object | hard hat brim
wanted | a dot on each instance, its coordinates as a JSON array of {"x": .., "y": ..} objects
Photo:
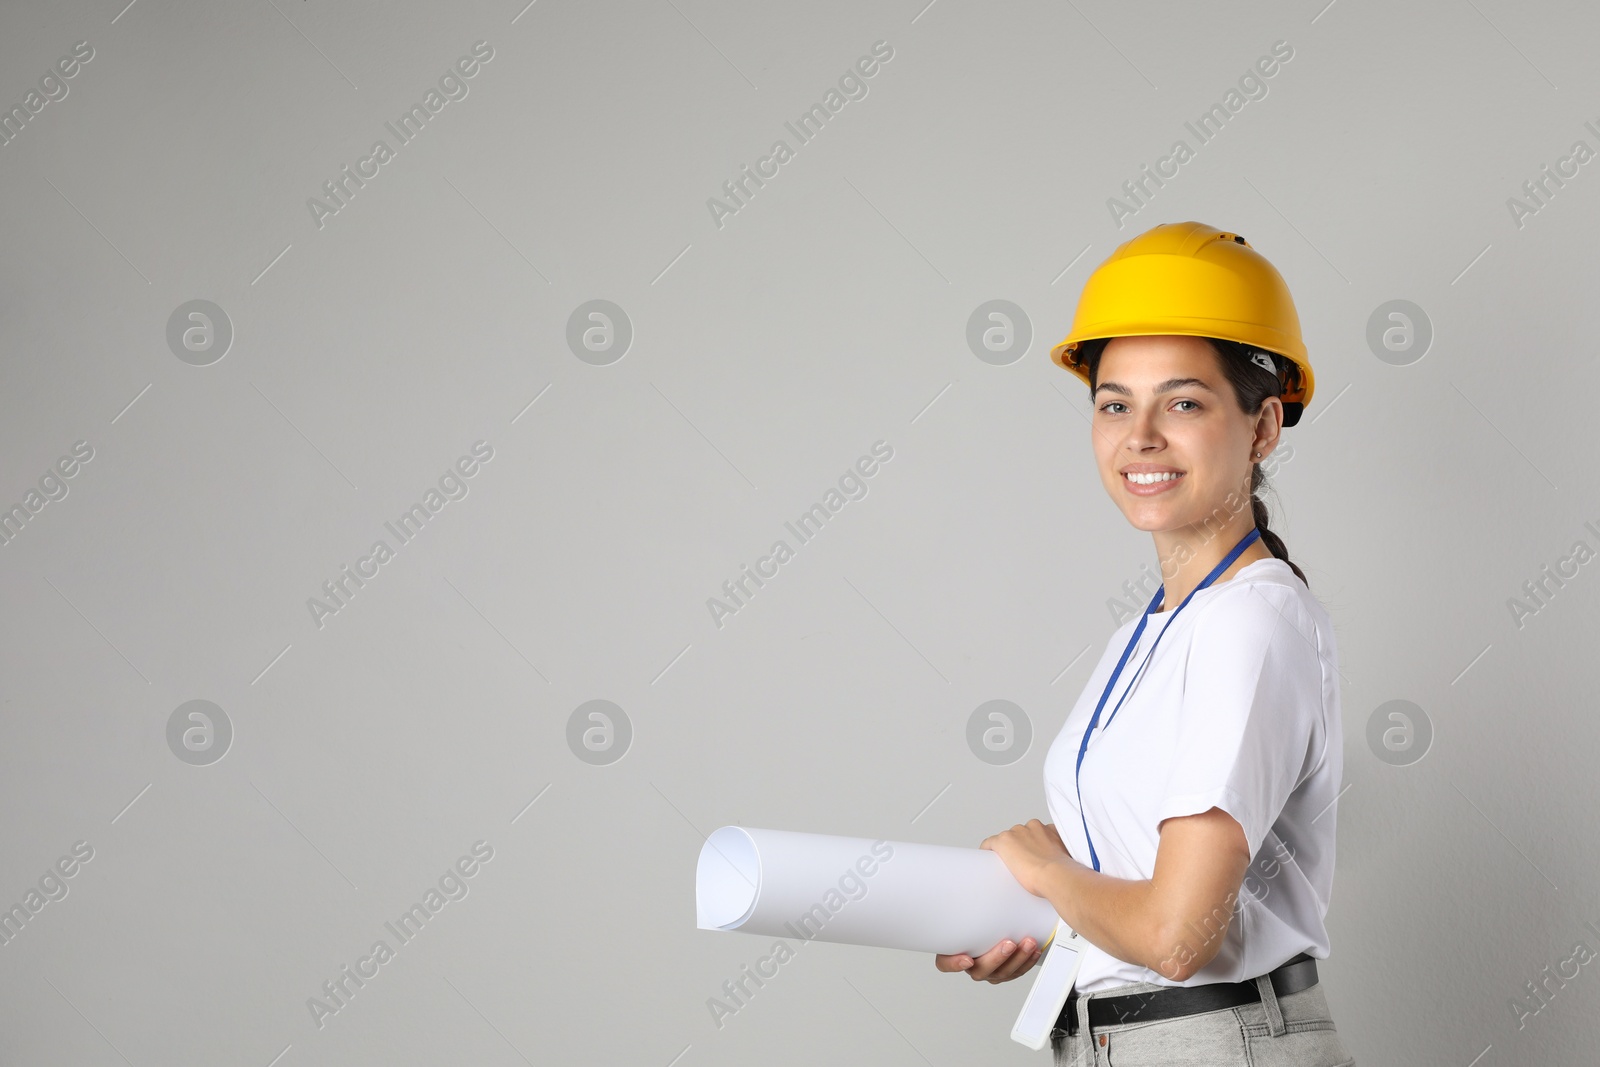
[{"x": 1222, "y": 329}]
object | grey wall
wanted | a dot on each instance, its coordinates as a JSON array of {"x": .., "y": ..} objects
[{"x": 365, "y": 751}]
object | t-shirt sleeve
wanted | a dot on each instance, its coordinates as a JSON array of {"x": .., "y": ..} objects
[{"x": 1251, "y": 710}]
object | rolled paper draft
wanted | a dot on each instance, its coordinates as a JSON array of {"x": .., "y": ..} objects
[{"x": 858, "y": 891}]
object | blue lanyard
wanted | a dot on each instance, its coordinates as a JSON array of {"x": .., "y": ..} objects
[{"x": 1094, "y": 720}]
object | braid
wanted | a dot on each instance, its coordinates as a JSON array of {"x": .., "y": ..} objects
[{"x": 1258, "y": 509}]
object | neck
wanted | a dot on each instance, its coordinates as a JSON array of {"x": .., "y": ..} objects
[{"x": 1186, "y": 556}]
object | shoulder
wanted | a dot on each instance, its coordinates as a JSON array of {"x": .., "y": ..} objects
[{"x": 1266, "y": 605}]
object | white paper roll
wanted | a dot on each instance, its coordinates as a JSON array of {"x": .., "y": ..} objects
[{"x": 857, "y": 891}]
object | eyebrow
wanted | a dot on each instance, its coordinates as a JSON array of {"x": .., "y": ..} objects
[{"x": 1160, "y": 387}]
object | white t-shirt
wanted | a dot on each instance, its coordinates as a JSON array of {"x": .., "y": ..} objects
[{"x": 1238, "y": 709}]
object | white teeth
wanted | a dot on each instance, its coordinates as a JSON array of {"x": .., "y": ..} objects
[{"x": 1151, "y": 479}]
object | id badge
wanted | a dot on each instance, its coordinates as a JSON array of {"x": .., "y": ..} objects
[{"x": 1058, "y": 971}]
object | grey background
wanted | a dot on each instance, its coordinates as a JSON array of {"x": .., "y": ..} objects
[{"x": 768, "y": 355}]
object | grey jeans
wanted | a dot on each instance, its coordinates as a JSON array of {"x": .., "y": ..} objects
[{"x": 1291, "y": 1031}]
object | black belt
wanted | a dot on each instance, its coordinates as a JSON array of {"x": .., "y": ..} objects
[{"x": 1291, "y": 977}]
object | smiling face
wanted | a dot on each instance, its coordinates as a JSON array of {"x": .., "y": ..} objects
[{"x": 1165, "y": 411}]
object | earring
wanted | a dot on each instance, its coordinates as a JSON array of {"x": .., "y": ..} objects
[{"x": 1258, "y": 455}]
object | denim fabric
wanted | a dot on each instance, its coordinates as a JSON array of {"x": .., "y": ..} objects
[{"x": 1231, "y": 1037}]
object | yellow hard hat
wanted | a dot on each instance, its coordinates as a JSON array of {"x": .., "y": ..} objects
[{"x": 1193, "y": 279}]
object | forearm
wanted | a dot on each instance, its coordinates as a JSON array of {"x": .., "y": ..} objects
[
  {"x": 1173, "y": 922},
  {"x": 1172, "y": 930},
  {"x": 1119, "y": 915}
]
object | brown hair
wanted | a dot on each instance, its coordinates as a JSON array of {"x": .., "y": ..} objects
[{"x": 1252, "y": 384}]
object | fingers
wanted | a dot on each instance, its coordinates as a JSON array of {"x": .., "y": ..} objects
[
  {"x": 1004, "y": 962},
  {"x": 1017, "y": 962},
  {"x": 952, "y": 961}
]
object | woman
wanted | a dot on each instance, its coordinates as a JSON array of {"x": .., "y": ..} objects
[{"x": 1192, "y": 786}]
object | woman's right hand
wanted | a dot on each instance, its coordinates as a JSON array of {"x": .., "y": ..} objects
[{"x": 1005, "y": 961}]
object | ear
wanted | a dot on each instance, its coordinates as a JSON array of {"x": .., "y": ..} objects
[{"x": 1269, "y": 425}]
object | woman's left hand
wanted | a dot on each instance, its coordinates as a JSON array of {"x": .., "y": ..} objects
[{"x": 1029, "y": 850}]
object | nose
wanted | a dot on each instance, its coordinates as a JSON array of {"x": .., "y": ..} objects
[{"x": 1143, "y": 432}]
